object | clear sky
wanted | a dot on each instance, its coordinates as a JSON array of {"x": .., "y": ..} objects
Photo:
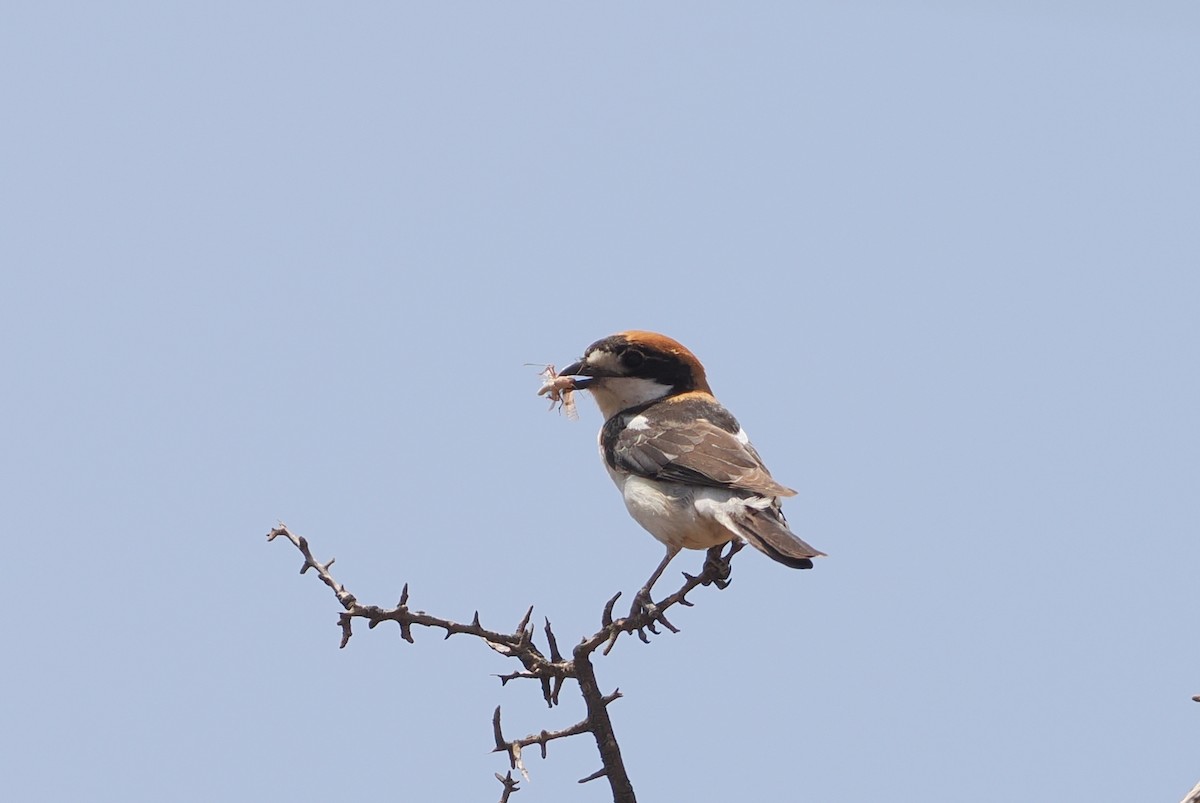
[{"x": 286, "y": 261}]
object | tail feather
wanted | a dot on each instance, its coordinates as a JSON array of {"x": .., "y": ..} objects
[{"x": 768, "y": 533}]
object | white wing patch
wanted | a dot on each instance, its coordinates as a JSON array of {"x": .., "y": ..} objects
[{"x": 638, "y": 423}]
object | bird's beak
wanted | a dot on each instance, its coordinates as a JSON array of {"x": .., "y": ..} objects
[{"x": 576, "y": 371}]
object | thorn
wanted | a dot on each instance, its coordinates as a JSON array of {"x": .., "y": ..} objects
[
  {"x": 607, "y": 619},
  {"x": 520, "y": 631},
  {"x": 600, "y": 773},
  {"x": 403, "y": 596},
  {"x": 510, "y": 785},
  {"x": 555, "y": 655},
  {"x": 500, "y": 745},
  {"x": 475, "y": 621}
]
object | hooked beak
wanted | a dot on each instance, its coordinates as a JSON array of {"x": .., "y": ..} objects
[{"x": 579, "y": 379}]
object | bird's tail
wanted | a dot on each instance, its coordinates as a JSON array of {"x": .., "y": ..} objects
[{"x": 767, "y": 531}]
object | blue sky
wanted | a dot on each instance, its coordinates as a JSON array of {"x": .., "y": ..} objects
[{"x": 288, "y": 262}]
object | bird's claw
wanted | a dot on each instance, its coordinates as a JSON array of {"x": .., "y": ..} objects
[
  {"x": 645, "y": 609},
  {"x": 719, "y": 567},
  {"x": 643, "y": 605}
]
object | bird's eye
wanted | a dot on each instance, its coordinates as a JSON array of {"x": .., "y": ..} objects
[{"x": 632, "y": 358}]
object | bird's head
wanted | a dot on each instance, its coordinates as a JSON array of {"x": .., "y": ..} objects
[{"x": 632, "y": 368}]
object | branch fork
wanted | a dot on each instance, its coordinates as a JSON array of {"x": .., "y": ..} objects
[{"x": 550, "y": 668}]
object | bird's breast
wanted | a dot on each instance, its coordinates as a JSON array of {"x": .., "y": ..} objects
[{"x": 672, "y": 512}]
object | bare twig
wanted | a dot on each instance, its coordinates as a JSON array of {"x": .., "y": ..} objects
[
  {"x": 602, "y": 729},
  {"x": 640, "y": 622},
  {"x": 301, "y": 543},
  {"x": 518, "y": 644},
  {"x": 510, "y": 785},
  {"x": 551, "y": 672},
  {"x": 513, "y": 747}
]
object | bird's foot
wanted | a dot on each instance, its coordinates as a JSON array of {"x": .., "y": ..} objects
[
  {"x": 643, "y": 604},
  {"x": 645, "y": 610},
  {"x": 718, "y": 567}
]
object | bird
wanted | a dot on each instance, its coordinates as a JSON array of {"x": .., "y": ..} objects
[{"x": 684, "y": 466}]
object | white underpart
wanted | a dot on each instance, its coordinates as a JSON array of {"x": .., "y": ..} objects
[
  {"x": 684, "y": 516},
  {"x": 742, "y": 437},
  {"x": 616, "y": 393}
]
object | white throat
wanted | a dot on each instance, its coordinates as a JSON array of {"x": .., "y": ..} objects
[{"x": 616, "y": 393}]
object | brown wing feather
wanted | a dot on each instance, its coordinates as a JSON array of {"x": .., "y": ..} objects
[{"x": 697, "y": 452}]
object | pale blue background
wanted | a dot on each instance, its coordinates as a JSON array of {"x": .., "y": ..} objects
[{"x": 286, "y": 261}]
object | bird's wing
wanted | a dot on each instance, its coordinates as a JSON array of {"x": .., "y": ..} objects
[{"x": 696, "y": 452}]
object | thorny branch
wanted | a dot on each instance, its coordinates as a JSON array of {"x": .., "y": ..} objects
[
  {"x": 510, "y": 785},
  {"x": 550, "y": 670}
]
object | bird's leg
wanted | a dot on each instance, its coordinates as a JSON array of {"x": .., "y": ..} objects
[
  {"x": 719, "y": 565},
  {"x": 642, "y": 602}
]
